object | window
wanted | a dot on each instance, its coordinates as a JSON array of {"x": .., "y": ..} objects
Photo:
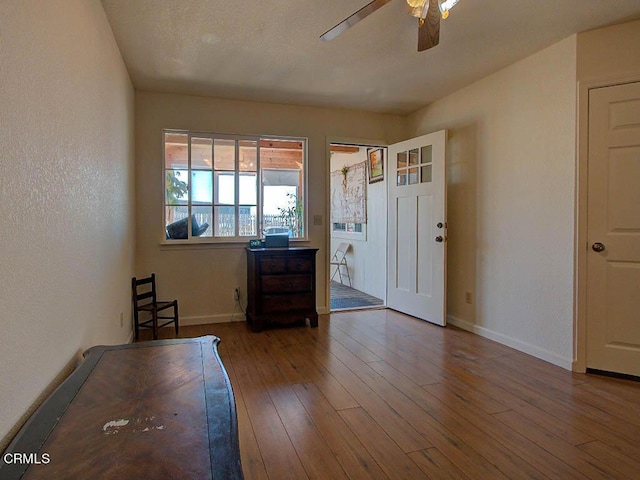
[
  {"x": 414, "y": 166},
  {"x": 347, "y": 227},
  {"x": 230, "y": 187}
]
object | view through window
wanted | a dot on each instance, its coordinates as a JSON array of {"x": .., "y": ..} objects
[{"x": 226, "y": 187}]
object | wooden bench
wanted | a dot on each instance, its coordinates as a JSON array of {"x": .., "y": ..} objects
[{"x": 161, "y": 409}]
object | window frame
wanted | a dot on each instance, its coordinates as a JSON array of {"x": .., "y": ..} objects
[{"x": 213, "y": 240}]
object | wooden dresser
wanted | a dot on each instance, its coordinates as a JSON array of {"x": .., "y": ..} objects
[
  {"x": 281, "y": 286},
  {"x": 161, "y": 409}
]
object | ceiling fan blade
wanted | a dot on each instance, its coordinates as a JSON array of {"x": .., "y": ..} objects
[
  {"x": 429, "y": 30},
  {"x": 353, "y": 19}
]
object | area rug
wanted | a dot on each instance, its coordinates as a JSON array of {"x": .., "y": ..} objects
[{"x": 343, "y": 296}]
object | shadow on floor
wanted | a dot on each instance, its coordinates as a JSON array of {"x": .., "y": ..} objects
[{"x": 345, "y": 297}]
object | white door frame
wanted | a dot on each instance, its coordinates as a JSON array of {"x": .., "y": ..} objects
[
  {"x": 581, "y": 238},
  {"x": 365, "y": 142}
]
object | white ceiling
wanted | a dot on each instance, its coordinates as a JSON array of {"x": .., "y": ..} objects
[{"x": 270, "y": 50}]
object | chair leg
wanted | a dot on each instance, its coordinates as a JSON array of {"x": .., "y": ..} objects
[
  {"x": 335, "y": 271},
  {"x": 175, "y": 310},
  {"x": 155, "y": 323},
  {"x": 348, "y": 276}
]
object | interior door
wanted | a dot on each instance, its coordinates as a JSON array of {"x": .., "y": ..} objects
[
  {"x": 417, "y": 220},
  {"x": 613, "y": 259}
]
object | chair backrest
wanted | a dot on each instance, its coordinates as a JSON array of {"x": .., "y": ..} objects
[
  {"x": 341, "y": 251},
  {"x": 143, "y": 289}
]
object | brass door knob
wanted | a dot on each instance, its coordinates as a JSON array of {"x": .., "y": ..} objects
[{"x": 598, "y": 247}]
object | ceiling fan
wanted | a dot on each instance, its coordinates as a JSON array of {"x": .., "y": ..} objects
[{"x": 428, "y": 13}]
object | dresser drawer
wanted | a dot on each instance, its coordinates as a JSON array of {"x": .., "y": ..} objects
[
  {"x": 300, "y": 264},
  {"x": 273, "y": 265},
  {"x": 286, "y": 303},
  {"x": 286, "y": 283}
]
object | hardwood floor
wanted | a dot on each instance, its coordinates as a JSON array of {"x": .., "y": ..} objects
[{"x": 377, "y": 395}]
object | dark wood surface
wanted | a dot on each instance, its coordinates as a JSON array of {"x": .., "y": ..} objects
[
  {"x": 281, "y": 286},
  {"x": 161, "y": 409}
]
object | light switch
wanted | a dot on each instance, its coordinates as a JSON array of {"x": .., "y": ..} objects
[{"x": 317, "y": 219}]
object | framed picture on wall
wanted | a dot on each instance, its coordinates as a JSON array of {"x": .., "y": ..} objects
[{"x": 375, "y": 164}]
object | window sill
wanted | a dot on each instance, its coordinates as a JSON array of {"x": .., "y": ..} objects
[{"x": 217, "y": 244}]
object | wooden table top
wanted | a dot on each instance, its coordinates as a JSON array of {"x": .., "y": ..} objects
[{"x": 161, "y": 409}]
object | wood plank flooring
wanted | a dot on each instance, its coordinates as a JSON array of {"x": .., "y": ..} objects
[{"x": 380, "y": 395}]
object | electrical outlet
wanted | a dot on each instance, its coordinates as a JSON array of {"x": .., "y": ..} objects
[
  {"x": 468, "y": 297},
  {"x": 236, "y": 293},
  {"x": 121, "y": 319}
]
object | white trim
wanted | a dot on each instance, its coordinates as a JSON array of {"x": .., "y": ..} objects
[
  {"x": 208, "y": 319},
  {"x": 328, "y": 226},
  {"x": 237, "y": 138},
  {"x": 516, "y": 344},
  {"x": 224, "y": 318}
]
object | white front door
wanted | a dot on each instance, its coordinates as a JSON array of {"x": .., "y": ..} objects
[
  {"x": 613, "y": 258},
  {"x": 417, "y": 227}
]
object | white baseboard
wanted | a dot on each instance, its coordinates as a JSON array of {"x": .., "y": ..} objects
[
  {"x": 207, "y": 319},
  {"x": 519, "y": 345},
  {"x": 226, "y": 318}
]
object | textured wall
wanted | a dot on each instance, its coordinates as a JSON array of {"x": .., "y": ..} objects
[
  {"x": 66, "y": 193},
  {"x": 203, "y": 277},
  {"x": 511, "y": 168}
]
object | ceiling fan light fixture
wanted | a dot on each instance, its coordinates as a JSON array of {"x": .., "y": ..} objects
[
  {"x": 418, "y": 8},
  {"x": 444, "y": 6}
]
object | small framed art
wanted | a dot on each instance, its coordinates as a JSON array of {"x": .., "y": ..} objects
[{"x": 375, "y": 164}]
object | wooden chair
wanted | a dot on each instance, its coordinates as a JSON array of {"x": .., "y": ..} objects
[
  {"x": 339, "y": 259},
  {"x": 144, "y": 300}
]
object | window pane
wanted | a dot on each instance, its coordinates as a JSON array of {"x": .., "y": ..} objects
[
  {"x": 414, "y": 157},
  {"x": 225, "y": 188},
  {"x": 248, "y": 156},
  {"x": 402, "y": 159},
  {"x": 248, "y": 189},
  {"x": 201, "y": 186},
  {"x": 201, "y": 222},
  {"x": 201, "y": 153},
  {"x": 176, "y": 187},
  {"x": 224, "y": 154},
  {"x": 173, "y": 216},
  {"x": 425, "y": 176},
  {"x": 402, "y": 178},
  {"x": 413, "y": 176},
  {"x": 281, "y": 163},
  {"x": 224, "y": 221},
  {"x": 427, "y": 154},
  {"x": 248, "y": 221},
  {"x": 281, "y": 208},
  {"x": 175, "y": 150}
]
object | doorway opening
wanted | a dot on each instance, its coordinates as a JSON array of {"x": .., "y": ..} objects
[{"x": 358, "y": 227}]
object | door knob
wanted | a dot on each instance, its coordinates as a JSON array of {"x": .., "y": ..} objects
[
  {"x": 439, "y": 239},
  {"x": 598, "y": 247}
]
